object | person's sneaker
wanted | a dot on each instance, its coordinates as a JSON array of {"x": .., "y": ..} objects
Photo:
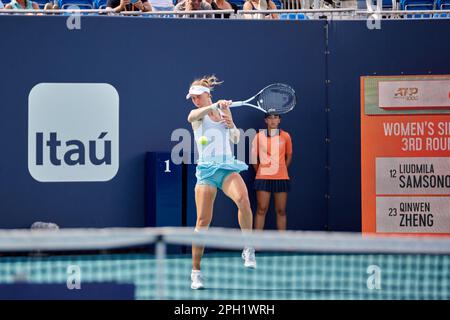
[
  {"x": 248, "y": 254},
  {"x": 196, "y": 280}
]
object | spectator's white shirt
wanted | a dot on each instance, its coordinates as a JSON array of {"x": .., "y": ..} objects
[
  {"x": 162, "y": 5},
  {"x": 1, "y": 5}
]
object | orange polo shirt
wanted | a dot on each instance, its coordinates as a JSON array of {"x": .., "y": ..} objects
[{"x": 271, "y": 153}]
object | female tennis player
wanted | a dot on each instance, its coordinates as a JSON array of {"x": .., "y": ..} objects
[{"x": 217, "y": 168}]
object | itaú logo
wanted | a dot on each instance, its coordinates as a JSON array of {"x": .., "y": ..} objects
[
  {"x": 73, "y": 132},
  {"x": 75, "y": 152}
]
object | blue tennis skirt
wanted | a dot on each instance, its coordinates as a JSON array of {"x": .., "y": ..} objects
[
  {"x": 214, "y": 170},
  {"x": 272, "y": 185}
]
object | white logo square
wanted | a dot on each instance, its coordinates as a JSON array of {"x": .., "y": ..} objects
[{"x": 73, "y": 132}]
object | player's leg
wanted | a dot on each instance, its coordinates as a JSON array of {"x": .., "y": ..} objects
[
  {"x": 204, "y": 200},
  {"x": 263, "y": 201},
  {"x": 280, "y": 208},
  {"x": 234, "y": 187}
]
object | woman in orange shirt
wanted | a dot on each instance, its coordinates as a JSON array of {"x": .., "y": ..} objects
[{"x": 271, "y": 157}]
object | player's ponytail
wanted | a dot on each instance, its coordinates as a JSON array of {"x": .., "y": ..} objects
[{"x": 207, "y": 81}]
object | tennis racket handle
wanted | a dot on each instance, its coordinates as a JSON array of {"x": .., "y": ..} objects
[{"x": 236, "y": 104}]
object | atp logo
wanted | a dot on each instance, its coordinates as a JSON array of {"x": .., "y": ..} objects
[
  {"x": 410, "y": 94},
  {"x": 73, "y": 132}
]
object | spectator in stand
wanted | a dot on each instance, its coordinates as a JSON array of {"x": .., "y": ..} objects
[
  {"x": 22, "y": 4},
  {"x": 29, "y": 5},
  {"x": 222, "y": 5},
  {"x": 194, "y": 5},
  {"x": 260, "y": 5},
  {"x": 129, "y": 5},
  {"x": 54, "y": 6}
]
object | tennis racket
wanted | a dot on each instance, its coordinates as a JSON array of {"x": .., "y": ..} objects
[{"x": 276, "y": 98}]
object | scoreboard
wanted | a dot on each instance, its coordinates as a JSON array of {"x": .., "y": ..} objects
[{"x": 405, "y": 154}]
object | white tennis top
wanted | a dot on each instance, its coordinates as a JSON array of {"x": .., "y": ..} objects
[{"x": 218, "y": 137}]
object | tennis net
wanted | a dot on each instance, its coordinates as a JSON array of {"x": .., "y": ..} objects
[{"x": 290, "y": 265}]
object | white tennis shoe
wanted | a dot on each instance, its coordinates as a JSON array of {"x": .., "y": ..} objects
[
  {"x": 196, "y": 280},
  {"x": 248, "y": 254}
]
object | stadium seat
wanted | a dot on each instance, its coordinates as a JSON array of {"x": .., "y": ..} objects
[
  {"x": 99, "y": 4},
  {"x": 416, "y": 4},
  {"x": 441, "y": 16},
  {"x": 239, "y": 3},
  {"x": 82, "y": 4},
  {"x": 293, "y": 16},
  {"x": 278, "y": 4},
  {"x": 387, "y": 4},
  {"x": 442, "y": 4}
]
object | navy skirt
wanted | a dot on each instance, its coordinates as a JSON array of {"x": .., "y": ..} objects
[{"x": 272, "y": 185}]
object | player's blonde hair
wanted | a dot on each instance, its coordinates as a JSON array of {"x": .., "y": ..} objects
[{"x": 207, "y": 81}]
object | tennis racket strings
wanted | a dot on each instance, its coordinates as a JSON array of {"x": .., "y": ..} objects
[{"x": 277, "y": 98}]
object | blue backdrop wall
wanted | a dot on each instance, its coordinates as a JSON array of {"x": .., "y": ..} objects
[
  {"x": 411, "y": 47},
  {"x": 151, "y": 63}
]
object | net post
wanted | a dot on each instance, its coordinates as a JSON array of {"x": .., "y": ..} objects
[{"x": 160, "y": 254}]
